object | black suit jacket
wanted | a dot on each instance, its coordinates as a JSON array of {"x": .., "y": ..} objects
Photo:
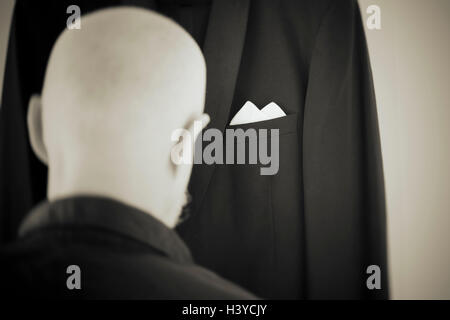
[
  {"x": 122, "y": 253},
  {"x": 311, "y": 230}
]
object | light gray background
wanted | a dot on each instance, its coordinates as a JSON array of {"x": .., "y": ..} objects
[
  {"x": 411, "y": 69},
  {"x": 6, "y": 7}
]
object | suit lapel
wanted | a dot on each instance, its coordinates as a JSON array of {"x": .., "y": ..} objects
[{"x": 222, "y": 49}]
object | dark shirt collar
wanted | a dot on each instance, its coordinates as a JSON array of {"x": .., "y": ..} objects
[{"x": 110, "y": 215}]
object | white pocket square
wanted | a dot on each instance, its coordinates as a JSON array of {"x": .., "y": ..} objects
[{"x": 250, "y": 113}]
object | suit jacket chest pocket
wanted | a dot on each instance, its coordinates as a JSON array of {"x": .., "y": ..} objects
[
  {"x": 266, "y": 198},
  {"x": 248, "y": 227}
]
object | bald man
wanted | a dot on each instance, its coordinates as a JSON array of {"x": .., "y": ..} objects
[{"x": 113, "y": 94}]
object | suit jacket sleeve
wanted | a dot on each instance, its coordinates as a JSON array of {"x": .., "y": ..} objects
[
  {"x": 342, "y": 165},
  {"x": 15, "y": 154}
]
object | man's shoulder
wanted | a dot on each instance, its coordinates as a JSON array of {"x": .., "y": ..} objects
[
  {"x": 198, "y": 283},
  {"x": 121, "y": 272}
]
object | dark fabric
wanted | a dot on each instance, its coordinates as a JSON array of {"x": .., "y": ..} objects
[
  {"x": 311, "y": 230},
  {"x": 121, "y": 251},
  {"x": 112, "y": 216},
  {"x": 343, "y": 183}
]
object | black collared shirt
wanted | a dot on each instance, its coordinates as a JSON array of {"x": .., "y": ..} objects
[{"x": 121, "y": 252}]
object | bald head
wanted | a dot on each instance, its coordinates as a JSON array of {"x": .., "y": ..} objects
[
  {"x": 113, "y": 93},
  {"x": 128, "y": 66}
]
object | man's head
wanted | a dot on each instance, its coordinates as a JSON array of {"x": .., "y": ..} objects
[{"x": 113, "y": 93}]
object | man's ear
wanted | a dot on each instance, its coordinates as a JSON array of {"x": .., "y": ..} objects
[
  {"x": 203, "y": 120},
  {"x": 193, "y": 129},
  {"x": 34, "y": 121},
  {"x": 181, "y": 168}
]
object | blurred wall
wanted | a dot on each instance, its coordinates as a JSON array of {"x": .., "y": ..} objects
[
  {"x": 410, "y": 58},
  {"x": 411, "y": 70},
  {"x": 6, "y": 8}
]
